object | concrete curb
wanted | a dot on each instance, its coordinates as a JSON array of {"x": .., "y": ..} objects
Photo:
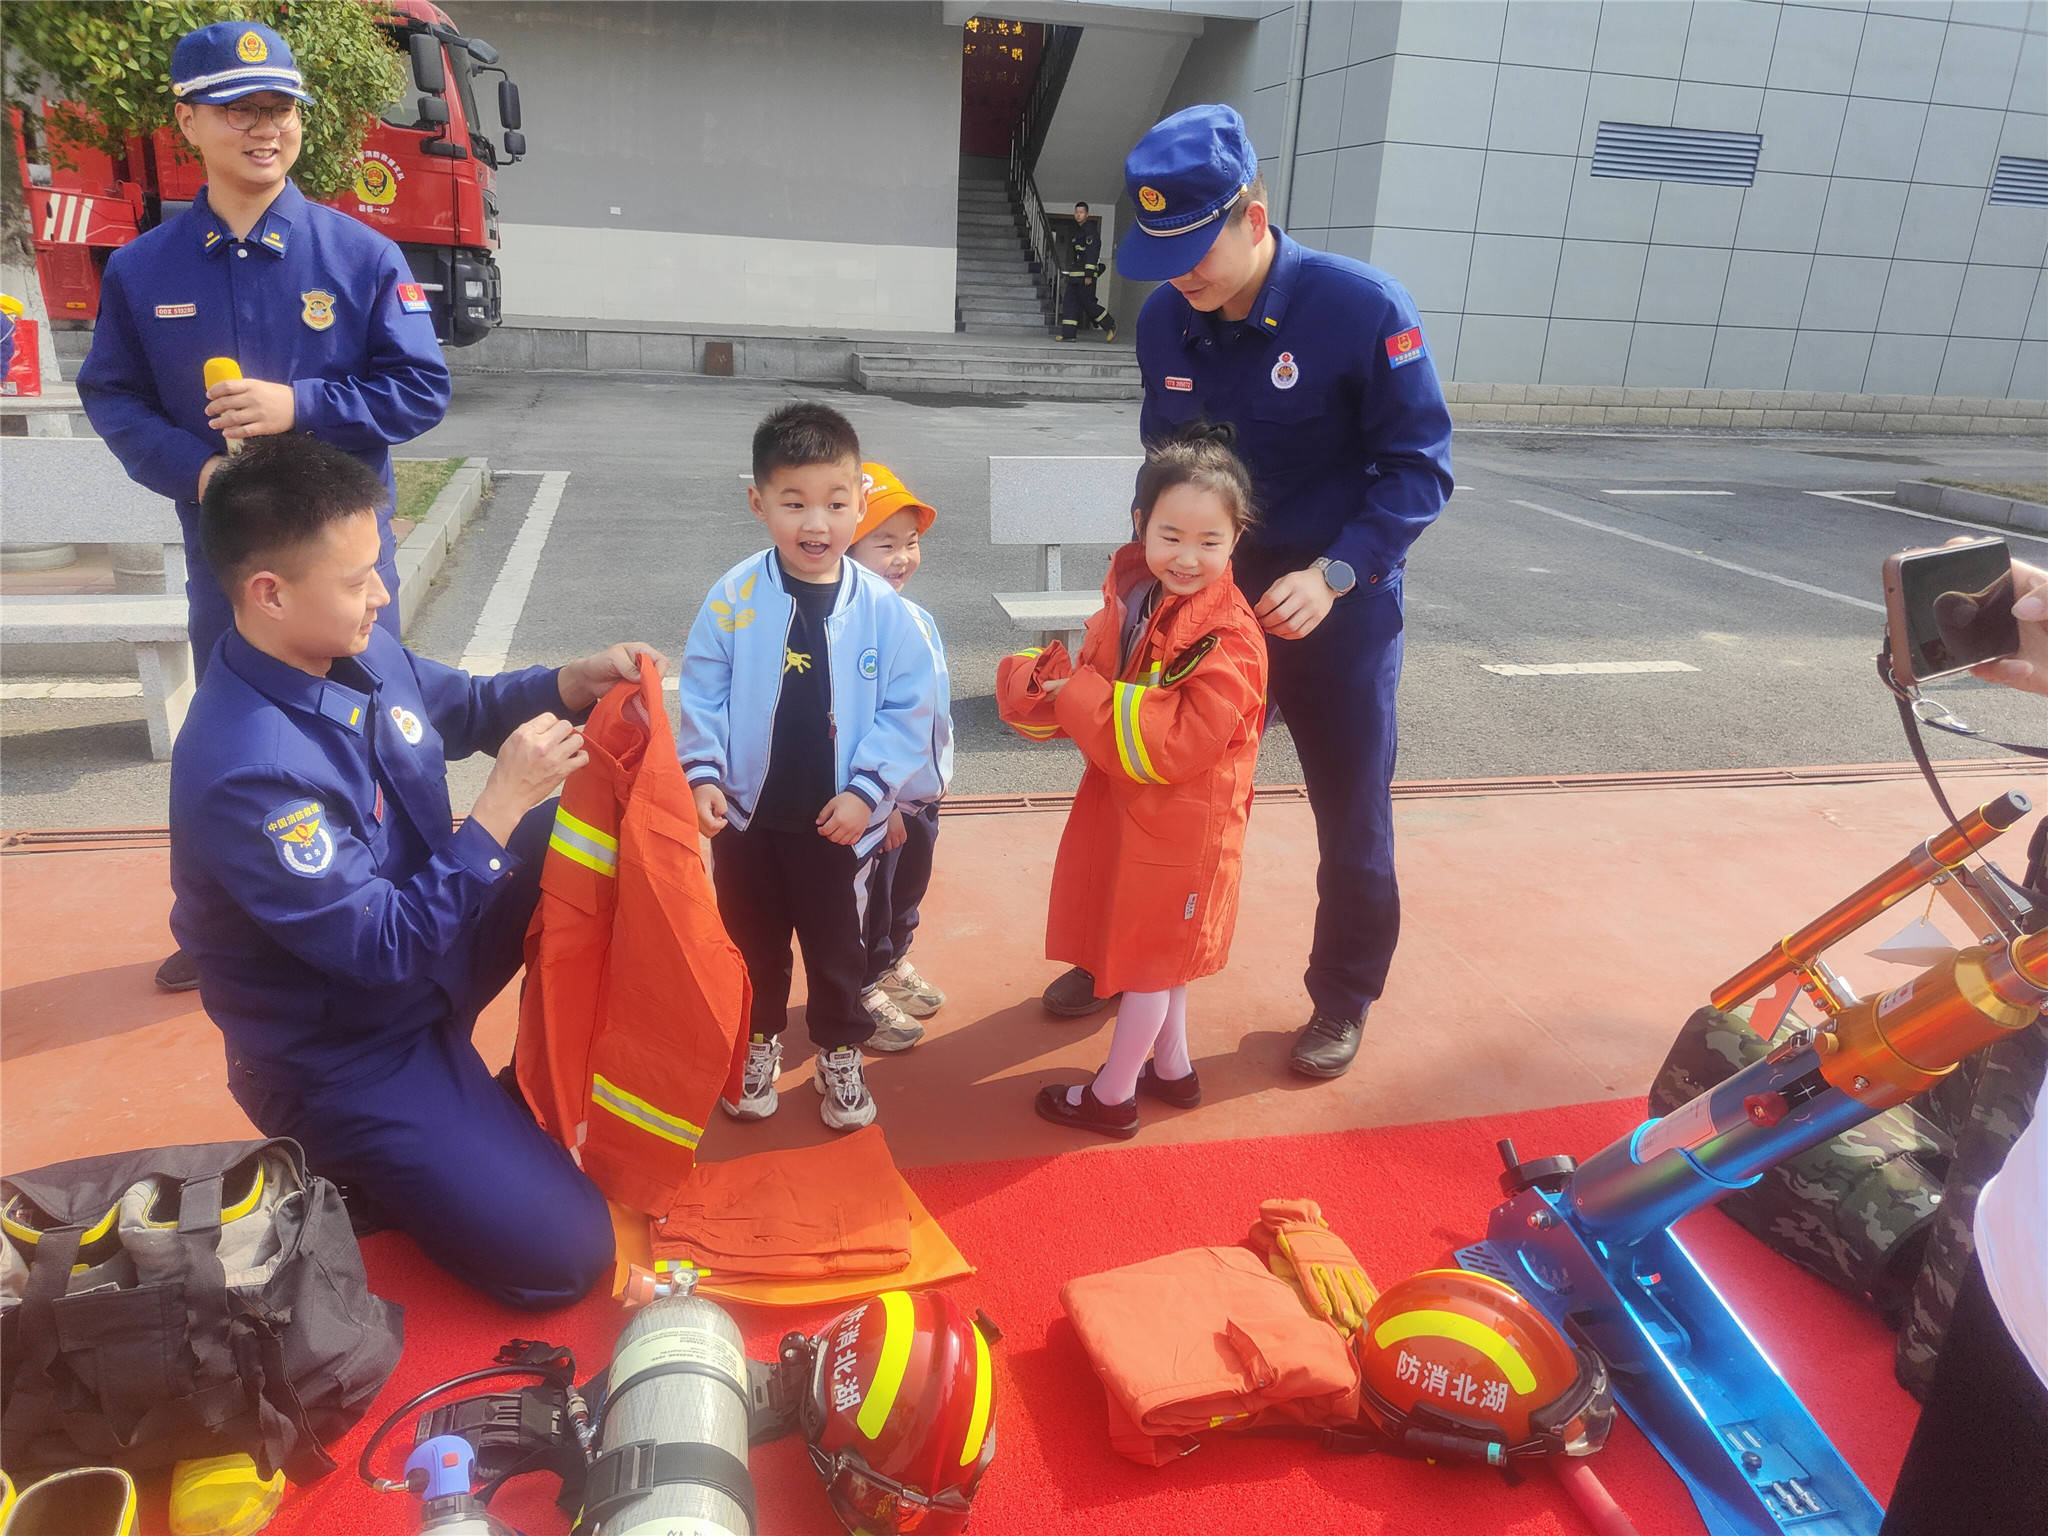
[
  {"x": 421, "y": 556},
  {"x": 1972, "y": 506}
]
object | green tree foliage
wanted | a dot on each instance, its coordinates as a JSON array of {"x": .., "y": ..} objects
[{"x": 110, "y": 60}]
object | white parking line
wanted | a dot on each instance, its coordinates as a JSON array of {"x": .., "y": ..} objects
[
  {"x": 1926, "y": 517},
  {"x": 1583, "y": 668},
  {"x": 1706, "y": 559},
  {"x": 492, "y": 639},
  {"x": 1667, "y": 493}
]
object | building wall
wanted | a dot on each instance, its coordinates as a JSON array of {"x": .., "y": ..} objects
[
  {"x": 755, "y": 164},
  {"x": 1451, "y": 145}
]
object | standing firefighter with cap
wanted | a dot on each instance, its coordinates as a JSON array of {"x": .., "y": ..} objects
[
  {"x": 1320, "y": 364},
  {"x": 1080, "y": 265},
  {"x": 332, "y": 336}
]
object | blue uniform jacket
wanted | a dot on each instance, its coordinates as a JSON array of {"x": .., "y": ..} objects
[
  {"x": 1338, "y": 411},
  {"x": 316, "y": 877},
  {"x": 885, "y": 693},
  {"x": 310, "y": 299}
]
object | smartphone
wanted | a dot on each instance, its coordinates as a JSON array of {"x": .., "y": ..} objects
[{"x": 1948, "y": 609}]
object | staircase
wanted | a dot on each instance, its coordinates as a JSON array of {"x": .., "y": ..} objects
[
  {"x": 996, "y": 293},
  {"x": 1037, "y": 368}
]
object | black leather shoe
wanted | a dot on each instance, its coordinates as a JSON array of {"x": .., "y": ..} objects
[
  {"x": 1326, "y": 1046},
  {"x": 1180, "y": 1092},
  {"x": 180, "y": 973},
  {"x": 1072, "y": 996},
  {"x": 1091, "y": 1114}
]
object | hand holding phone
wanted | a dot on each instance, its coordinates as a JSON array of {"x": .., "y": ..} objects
[
  {"x": 1948, "y": 610},
  {"x": 2027, "y": 671}
]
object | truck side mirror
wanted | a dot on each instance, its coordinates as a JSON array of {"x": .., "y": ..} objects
[
  {"x": 428, "y": 72},
  {"x": 481, "y": 51},
  {"x": 515, "y": 143},
  {"x": 508, "y": 104},
  {"x": 433, "y": 110}
]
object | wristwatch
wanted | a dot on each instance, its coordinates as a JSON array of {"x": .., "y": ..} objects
[{"x": 1336, "y": 574}]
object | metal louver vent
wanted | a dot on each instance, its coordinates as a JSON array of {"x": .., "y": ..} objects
[
  {"x": 1643, "y": 153},
  {"x": 2020, "y": 180}
]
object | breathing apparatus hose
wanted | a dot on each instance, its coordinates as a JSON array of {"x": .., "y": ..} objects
[{"x": 406, "y": 1410}]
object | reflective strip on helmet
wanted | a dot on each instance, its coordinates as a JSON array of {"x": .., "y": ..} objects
[
  {"x": 580, "y": 841},
  {"x": 27, "y": 1235},
  {"x": 1430, "y": 1323},
  {"x": 637, "y": 1111},
  {"x": 984, "y": 1389},
  {"x": 899, "y": 1326}
]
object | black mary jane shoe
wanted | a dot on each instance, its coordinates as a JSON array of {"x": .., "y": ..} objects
[
  {"x": 1180, "y": 1092},
  {"x": 1091, "y": 1114}
]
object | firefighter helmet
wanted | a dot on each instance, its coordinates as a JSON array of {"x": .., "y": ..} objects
[
  {"x": 900, "y": 1414},
  {"x": 1454, "y": 1362}
]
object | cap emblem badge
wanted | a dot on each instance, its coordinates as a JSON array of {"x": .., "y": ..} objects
[
  {"x": 1151, "y": 200},
  {"x": 252, "y": 49}
]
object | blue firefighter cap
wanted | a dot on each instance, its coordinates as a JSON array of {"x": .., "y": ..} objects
[
  {"x": 233, "y": 59},
  {"x": 1183, "y": 177}
]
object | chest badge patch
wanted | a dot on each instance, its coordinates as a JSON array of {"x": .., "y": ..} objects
[
  {"x": 1184, "y": 385},
  {"x": 1406, "y": 348},
  {"x": 176, "y": 311},
  {"x": 319, "y": 308},
  {"x": 298, "y": 829},
  {"x": 870, "y": 664},
  {"x": 1286, "y": 372},
  {"x": 408, "y": 724}
]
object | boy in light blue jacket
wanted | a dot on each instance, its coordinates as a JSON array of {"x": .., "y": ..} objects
[{"x": 808, "y": 696}]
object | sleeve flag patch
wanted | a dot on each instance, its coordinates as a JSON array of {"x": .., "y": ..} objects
[
  {"x": 1406, "y": 347},
  {"x": 412, "y": 298}
]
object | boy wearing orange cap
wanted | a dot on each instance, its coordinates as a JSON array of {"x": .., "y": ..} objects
[{"x": 888, "y": 541}]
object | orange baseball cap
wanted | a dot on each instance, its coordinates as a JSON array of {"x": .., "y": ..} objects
[{"x": 887, "y": 496}]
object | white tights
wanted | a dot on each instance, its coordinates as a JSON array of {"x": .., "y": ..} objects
[{"x": 1151, "y": 1024}]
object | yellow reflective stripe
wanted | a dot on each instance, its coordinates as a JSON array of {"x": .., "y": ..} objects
[
  {"x": 1041, "y": 732},
  {"x": 637, "y": 1111},
  {"x": 1031, "y": 652},
  {"x": 1433, "y": 1324},
  {"x": 23, "y": 1233},
  {"x": 579, "y": 840},
  {"x": 1130, "y": 742},
  {"x": 899, "y": 1325},
  {"x": 984, "y": 1390}
]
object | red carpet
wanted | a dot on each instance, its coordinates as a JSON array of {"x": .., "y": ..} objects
[{"x": 1403, "y": 1197}]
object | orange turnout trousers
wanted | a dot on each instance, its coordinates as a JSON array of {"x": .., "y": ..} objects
[
  {"x": 633, "y": 1018},
  {"x": 1144, "y": 892}
]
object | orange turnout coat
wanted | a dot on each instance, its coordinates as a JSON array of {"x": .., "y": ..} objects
[
  {"x": 633, "y": 1017},
  {"x": 1144, "y": 893}
]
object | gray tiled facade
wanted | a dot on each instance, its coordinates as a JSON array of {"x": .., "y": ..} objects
[{"x": 1451, "y": 144}]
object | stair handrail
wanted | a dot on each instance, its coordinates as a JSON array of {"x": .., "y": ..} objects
[
  {"x": 1055, "y": 61},
  {"x": 1038, "y": 236}
]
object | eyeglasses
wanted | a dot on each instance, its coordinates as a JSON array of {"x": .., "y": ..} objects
[{"x": 242, "y": 117}]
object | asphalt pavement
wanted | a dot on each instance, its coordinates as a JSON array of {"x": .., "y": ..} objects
[{"x": 1731, "y": 626}]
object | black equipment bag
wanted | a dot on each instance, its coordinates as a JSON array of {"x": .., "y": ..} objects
[{"x": 184, "y": 1302}]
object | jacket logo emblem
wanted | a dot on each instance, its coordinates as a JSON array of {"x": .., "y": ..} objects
[
  {"x": 408, "y": 724},
  {"x": 176, "y": 311},
  {"x": 1151, "y": 200},
  {"x": 1173, "y": 382},
  {"x": 1285, "y": 373},
  {"x": 795, "y": 661},
  {"x": 870, "y": 664},
  {"x": 298, "y": 829},
  {"x": 252, "y": 49},
  {"x": 1188, "y": 660},
  {"x": 1406, "y": 348},
  {"x": 728, "y": 612},
  {"x": 319, "y": 310}
]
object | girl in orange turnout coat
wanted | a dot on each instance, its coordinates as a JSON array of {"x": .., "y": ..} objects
[{"x": 1165, "y": 703}]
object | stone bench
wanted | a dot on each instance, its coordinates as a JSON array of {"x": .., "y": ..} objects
[
  {"x": 1049, "y": 501},
  {"x": 73, "y": 489}
]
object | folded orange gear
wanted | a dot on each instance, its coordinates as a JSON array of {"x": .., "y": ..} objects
[{"x": 840, "y": 1209}]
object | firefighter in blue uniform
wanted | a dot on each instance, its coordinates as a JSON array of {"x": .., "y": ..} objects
[
  {"x": 1320, "y": 364},
  {"x": 320, "y": 312},
  {"x": 1080, "y": 266},
  {"x": 346, "y": 938}
]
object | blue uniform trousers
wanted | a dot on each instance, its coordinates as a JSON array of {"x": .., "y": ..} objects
[
  {"x": 896, "y": 888},
  {"x": 1335, "y": 689},
  {"x": 438, "y": 1147}
]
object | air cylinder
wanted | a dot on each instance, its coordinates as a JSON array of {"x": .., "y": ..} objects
[{"x": 678, "y": 1384}]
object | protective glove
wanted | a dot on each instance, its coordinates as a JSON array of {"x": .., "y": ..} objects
[{"x": 1299, "y": 1247}]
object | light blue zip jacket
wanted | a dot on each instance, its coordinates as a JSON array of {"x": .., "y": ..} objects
[
  {"x": 885, "y": 690},
  {"x": 932, "y": 785}
]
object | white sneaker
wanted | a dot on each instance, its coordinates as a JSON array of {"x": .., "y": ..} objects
[
  {"x": 757, "y": 1088},
  {"x": 910, "y": 991},
  {"x": 895, "y": 1030},
  {"x": 839, "y": 1080}
]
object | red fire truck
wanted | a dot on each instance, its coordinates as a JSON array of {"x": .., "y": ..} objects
[{"x": 424, "y": 178}]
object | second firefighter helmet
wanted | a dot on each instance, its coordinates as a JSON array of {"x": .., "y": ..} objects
[
  {"x": 900, "y": 1414},
  {"x": 1454, "y": 1362}
]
